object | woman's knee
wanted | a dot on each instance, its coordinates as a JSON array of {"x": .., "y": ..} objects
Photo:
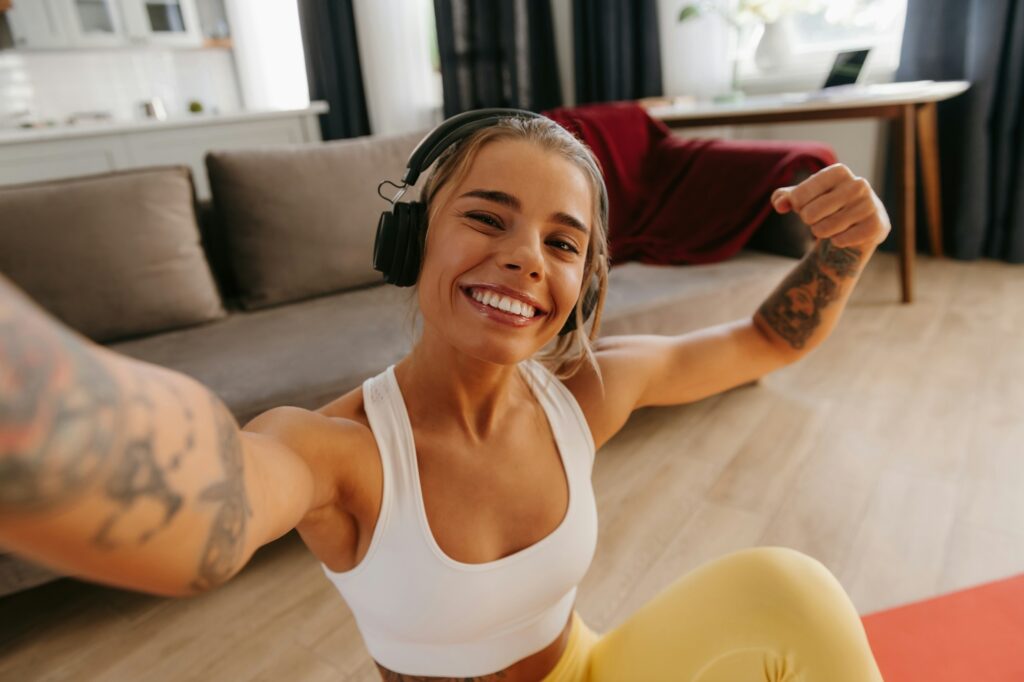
[{"x": 790, "y": 575}]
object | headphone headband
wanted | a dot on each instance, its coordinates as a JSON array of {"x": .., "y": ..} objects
[{"x": 451, "y": 131}]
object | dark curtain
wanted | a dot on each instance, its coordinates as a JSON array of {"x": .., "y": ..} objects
[
  {"x": 332, "y": 66},
  {"x": 497, "y": 53},
  {"x": 617, "y": 50},
  {"x": 980, "y": 132}
]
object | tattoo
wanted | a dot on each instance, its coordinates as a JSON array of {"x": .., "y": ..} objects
[
  {"x": 793, "y": 310},
  {"x": 59, "y": 414},
  {"x": 226, "y": 542},
  {"x": 70, "y": 427},
  {"x": 842, "y": 261},
  {"x": 392, "y": 676},
  {"x": 139, "y": 479}
]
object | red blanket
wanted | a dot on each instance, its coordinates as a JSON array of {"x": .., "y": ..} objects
[{"x": 675, "y": 200}]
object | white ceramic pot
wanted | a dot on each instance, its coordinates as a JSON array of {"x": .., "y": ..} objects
[{"x": 775, "y": 49}]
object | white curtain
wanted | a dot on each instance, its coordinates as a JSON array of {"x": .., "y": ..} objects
[
  {"x": 268, "y": 53},
  {"x": 396, "y": 43}
]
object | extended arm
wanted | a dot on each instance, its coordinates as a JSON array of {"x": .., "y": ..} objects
[
  {"x": 849, "y": 222},
  {"x": 127, "y": 473}
]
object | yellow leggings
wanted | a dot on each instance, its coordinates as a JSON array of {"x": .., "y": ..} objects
[{"x": 766, "y": 614}]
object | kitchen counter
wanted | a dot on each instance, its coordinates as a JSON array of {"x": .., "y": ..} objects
[
  {"x": 114, "y": 127},
  {"x": 34, "y": 154}
]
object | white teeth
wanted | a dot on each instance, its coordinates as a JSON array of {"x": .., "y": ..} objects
[{"x": 506, "y": 303}]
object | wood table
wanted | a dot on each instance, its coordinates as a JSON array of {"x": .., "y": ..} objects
[{"x": 909, "y": 106}]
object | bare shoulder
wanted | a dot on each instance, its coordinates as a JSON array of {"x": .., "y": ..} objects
[
  {"x": 335, "y": 441},
  {"x": 340, "y": 449},
  {"x": 607, "y": 399}
]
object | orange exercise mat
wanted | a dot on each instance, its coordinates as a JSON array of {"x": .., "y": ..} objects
[{"x": 975, "y": 635}]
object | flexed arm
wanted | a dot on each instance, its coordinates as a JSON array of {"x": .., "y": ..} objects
[
  {"x": 850, "y": 222},
  {"x": 641, "y": 370},
  {"x": 119, "y": 471}
]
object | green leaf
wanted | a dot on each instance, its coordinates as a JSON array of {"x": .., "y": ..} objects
[{"x": 689, "y": 12}]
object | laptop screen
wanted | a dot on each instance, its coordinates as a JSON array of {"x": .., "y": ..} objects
[{"x": 846, "y": 68}]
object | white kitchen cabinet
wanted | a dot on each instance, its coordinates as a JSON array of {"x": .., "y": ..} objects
[
  {"x": 94, "y": 23},
  {"x": 49, "y": 24},
  {"x": 34, "y": 155},
  {"x": 173, "y": 23},
  {"x": 39, "y": 24}
]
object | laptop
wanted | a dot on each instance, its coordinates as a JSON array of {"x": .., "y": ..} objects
[
  {"x": 846, "y": 68},
  {"x": 842, "y": 78}
]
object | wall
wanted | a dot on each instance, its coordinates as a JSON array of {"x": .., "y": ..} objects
[{"x": 54, "y": 84}]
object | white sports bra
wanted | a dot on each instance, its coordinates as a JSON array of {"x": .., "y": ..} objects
[{"x": 421, "y": 612}]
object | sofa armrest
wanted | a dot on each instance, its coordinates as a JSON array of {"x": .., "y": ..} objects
[
  {"x": 782, "y": 235},
  {"x": 17, "y": 574}
]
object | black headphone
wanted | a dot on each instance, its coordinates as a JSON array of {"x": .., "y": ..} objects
[{"x": 396, "y": 252}]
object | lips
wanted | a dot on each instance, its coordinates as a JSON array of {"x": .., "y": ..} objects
[
  {"x": 496, "y": 315},
  {"x": 507, "y": 292}
]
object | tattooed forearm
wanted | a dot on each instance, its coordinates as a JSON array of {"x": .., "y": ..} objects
[
  {"x": 794, "y": 310},
  {"x": 114, "y": 466},
  {"x": 392, "y": 676},
  {"x": 58, "y": 412},
  {"x": 226, "y": 542},
  {"x": 141, "y": 478},
  {"x": 843, "y": 262}
]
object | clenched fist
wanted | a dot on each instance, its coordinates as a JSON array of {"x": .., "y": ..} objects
[{"x": 837, "y": 205}]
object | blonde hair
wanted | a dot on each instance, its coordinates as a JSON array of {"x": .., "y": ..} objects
[{"x": 574, "y": 349}]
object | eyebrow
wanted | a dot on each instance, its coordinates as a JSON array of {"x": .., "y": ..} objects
[{"x": 506, "y": 199}]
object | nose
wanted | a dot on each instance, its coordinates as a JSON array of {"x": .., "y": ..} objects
[{"x": 525, "y": 256}]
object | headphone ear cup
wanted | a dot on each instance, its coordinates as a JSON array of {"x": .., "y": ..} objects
[
  {"x": 384, "y": 245},
  {"x": 398, "y": 263},
  {"x": 588, "y": 303},
  {"x": 416, "y": 223},
  {"x": 590, "y": 298},
  {"x": 396, "y": 251}
]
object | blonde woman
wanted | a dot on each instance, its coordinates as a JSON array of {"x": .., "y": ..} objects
[{"x": 449, "y": 497}]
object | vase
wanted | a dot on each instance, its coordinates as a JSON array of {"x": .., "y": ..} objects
[{"x": 775, "y": 48}]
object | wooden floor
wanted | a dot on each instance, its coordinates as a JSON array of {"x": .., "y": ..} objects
[{"x": 894, "y": 454}]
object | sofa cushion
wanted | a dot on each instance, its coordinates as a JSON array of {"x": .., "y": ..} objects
[
  {"x": 111, "y": 255},
  {"x": 308, "y": 353},
  {"x": 300, "y": 221},
  {"x": 673, "y": 299},
  {"x": 303, "y": 354}
]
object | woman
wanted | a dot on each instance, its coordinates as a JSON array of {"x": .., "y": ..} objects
[{"x": 448, "y": 498}]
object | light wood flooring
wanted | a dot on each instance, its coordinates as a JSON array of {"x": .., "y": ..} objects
[{"x": 894, "y": 454}]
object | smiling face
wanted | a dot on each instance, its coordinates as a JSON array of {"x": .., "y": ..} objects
[{"x": 514, "y": 229}]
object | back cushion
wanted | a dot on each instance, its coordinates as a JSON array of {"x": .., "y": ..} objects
[
  {"x": 112, "y": 256},
  {"x": 300, "y": 221}
]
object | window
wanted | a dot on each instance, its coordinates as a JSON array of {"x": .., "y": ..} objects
[
  {"x": 826, "y": 28},
  {"x": 849, "y": 24}
]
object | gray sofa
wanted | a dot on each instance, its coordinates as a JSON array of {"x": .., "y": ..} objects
[{"x": 267, "y": 296}]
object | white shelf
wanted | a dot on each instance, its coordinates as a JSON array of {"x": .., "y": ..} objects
[{"x": 67, "y": 132}]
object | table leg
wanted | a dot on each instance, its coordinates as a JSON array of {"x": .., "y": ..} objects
[
  {"x": 905, "y": 162},
  {"x": 928, "y": 148}
]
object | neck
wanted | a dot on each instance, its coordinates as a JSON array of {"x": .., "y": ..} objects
[{"x": 447, "y": 388}]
